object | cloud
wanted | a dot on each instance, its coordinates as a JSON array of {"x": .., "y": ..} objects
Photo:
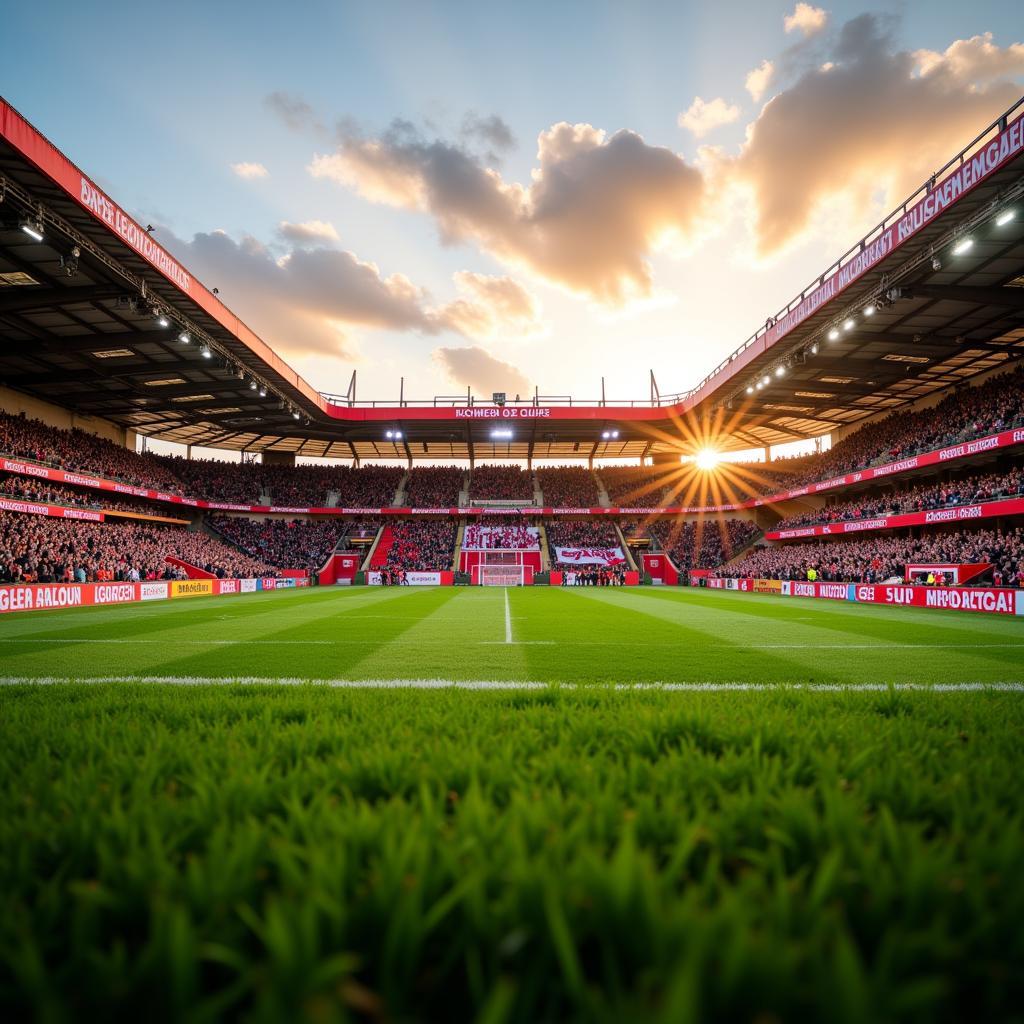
[
  {"x": 805, "y": 19},
  {"x": 310, "y": 299},
  {"x": 293, "y": 111},
  {"x": 491, "y": 130},
  {"x": 308, "y": 232},
  {"x": 597, "y": 205},
  {"x": 250, "y": 171},
  {"x": 758, "y": 80},
  {"x": 703, "y": 117},
  {"x": 866, "y": 127},
  {"x": 976, "y": 59},
  {"x": 476, "y": 368},
  {"x": 492, "y": 307}
]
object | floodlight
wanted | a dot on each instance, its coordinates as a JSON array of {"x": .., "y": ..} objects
[
  {"x": 184, "y": 337},
  {"x": 33, "y": 229},
  {"x": 1005, "y": 217},
  {"x": 849, "y": 324},
  {"x": 964, "y": 245}
]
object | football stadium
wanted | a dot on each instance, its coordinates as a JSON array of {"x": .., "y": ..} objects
[{"x": 501, "y": 705}]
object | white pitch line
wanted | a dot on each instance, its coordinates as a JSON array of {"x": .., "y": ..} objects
[
  {"x": 508, "y": 620},
  {"x": 497, "y": 684},
  {"x": 516, "y": 643}
]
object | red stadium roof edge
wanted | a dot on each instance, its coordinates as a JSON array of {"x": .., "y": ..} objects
[{"x": 1000, "y": 143}]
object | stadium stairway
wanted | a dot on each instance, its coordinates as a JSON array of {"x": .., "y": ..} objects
[
  {"x": 538, "y": 494},
  {"x": 399, "y": 498},
  {"x": 602, "y": 497},
  {"x": 545, "y": 549},
  {"x": 630, "y": 560},
  {"x": 463, "y": 500},
  {"x": 457, "y": 556},
  {"x": 371, "y": 559}
]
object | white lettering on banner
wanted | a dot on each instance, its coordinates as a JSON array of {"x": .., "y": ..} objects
[
  {"x": 228, "y": 587},
  {"x": 947, "y": 514},
  {"x": 502, "y": 413},
  {"x": 897, "y": 467},
  {"x": 836, "y": 591},
  {"x": 865, "y": 524},
  {"x": 970, "y": 600},
  {"x": 153, "y": 591},
  {"x": 141, "y": 241},
  {"x": 114, "y": 593},
  {"x": 412, "y": 579},
  {"x": 591, "y": 556},
  {"x": 801, "y": 589}
]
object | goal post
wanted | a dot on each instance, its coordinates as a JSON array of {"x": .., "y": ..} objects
[{"x": 500, "y": 575}]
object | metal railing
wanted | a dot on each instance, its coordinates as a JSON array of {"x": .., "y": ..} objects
[{"x": 659, "y": 401}]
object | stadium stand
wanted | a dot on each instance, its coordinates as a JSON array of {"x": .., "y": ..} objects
[
  {"x": 45, "y": 550},
  {"x": 434, "y": 486},
  {"x": 31, "y": 489},
  {"x": 703, "y": 544},
  {"x": 501, "y": 483},
  {"x": 922, "y": 497},
  {"x": 635, "y": 485},
  {"x": 994, "y": 405},
  {"x": 289, "y": 544},
  {"x": 568, "y": 486},
  {"x": 879, "y": 559},
  {"x": 417, "y": 545},
  {"x": 26, "y": 438},
  {"x": 507, "y": 534}
]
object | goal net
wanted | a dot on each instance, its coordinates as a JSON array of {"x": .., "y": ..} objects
[{"x": 501, "y": 575}]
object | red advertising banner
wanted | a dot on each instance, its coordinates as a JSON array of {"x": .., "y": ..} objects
[
  {"x": 955, "y": 514},
  {"x": 33, "y": 508}
]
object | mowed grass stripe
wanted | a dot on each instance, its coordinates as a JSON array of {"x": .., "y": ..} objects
[
  {"x": 587, "y": 635},
  {"x": 762, "y": 630}
]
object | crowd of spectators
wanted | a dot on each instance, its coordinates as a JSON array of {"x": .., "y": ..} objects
[
  {"x": 41, "y": 549},
  {"x": 971, "y": 490},
  {"x": 513, "y": 534},
  {"x": 26, "y": 438},
  {"x": 434, "y": 486},
  {"x": 579, "y": 533},
  {"x": 995, "y": 405},
  {"x": 501, "y": 483},
  {"x": 568, "y": 487},
  {"x": 878, "y": 559},
  {"x": 422, "y": 545},
  {"x": 703, "y": 543},
  {"x": 640, "y": 486},
  {"x": 289, "y": 544},
  {"x": 43, "y": 492}
]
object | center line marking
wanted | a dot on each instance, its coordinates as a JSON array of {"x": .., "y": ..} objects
[{"x": 508, "y": 620}]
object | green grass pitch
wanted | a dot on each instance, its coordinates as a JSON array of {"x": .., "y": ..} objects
[{"x": 842, "y": 843}]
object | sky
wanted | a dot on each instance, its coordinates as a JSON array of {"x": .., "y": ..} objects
[{"x": 516, "y": 196}]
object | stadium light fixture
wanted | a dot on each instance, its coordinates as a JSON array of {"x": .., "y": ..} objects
[
  {"x": 964, "y": 245},
  {"x": 1005, "y": 217},
  {"x": 398, "y": 435},
  {"x": 750, "y": 390},
  {"x": 33, "y": 229},
  {"x": 502, "y": 433},
  {"x": 760, "y": 384},
  {"x": 615, "y": 434},
  {"x": 606, "y": 434},
  {"x": 389, "y": 434},
  {"x": 833, "y": 335},
  {"x": 253, "y": 385},
  {"x": 295, "y": 414},
  {"x": 184, "y": 337},
  {"x": 849, "y": 324},
  {"x": 205, "y": 352},
  {"x": 814, "y": 349},
  {"x": 780, "y": 371},
  {"x": 869, "y": 309},
  {"x": 766, "y": 380}
]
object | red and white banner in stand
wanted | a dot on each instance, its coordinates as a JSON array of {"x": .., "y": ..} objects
[
  {"x": 590, "y": 556},
  {"x": 957, "y": 514}
]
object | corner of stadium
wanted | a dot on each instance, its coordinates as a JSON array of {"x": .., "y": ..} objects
[{"x": 462, "y": 676}]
